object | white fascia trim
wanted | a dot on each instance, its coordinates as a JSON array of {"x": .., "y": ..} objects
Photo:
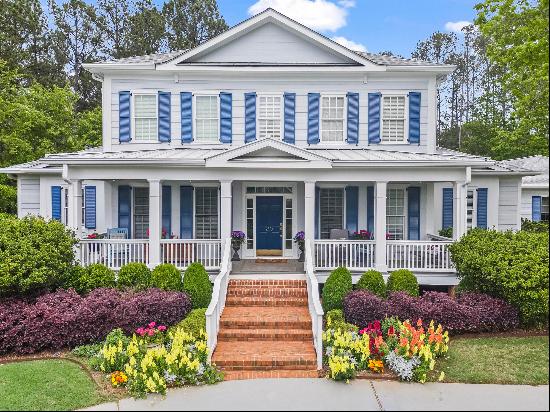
[
  {"x": 499, "y": 172},
  {"x": 443, "y": 69},
  {"x": 534, "y": 186},
  {"x": 399, "y": 163},
  {"x": 269, "y": 15},
  {"x": 104, "y": 67},
  {"x": 117, "y": 162},
  {"x": 31, "y": 171}
]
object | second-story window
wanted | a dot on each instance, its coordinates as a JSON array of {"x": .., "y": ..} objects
[
  {"x": 393, "y": 119},
  {"x": 145, "y": 117},
  {"x": 207, "y": 118},
  {"x": 332, "y": 118},
  {"x": 269, "y": 117}
]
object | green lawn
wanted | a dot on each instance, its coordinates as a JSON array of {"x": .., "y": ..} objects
[
  {"x": 497, "y": 360},
  {"x": 46, "y": 385}
]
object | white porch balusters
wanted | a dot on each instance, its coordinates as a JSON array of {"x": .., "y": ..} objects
[
  {"x": 459, "y": 209},
  {"x": 75, "y": 207},
  {"x": 155, "y": 230},
  {"x": 381, "y": 189},
  {"x": 309, "y": 210},
  {"x": 226, "y": 209}
]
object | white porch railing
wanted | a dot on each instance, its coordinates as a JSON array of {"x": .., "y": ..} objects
[
  {"x": 113, "y": 253},
  {"x": 182, "y": 252},
  {"x": 314, "y": 304},
  {"x": 419, "y": 255},
  {"x": 353, "y": 254},
  {"x": 217, "y": 304}
]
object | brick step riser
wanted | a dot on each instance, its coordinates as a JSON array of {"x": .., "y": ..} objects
[
  {"x": 234, "y": 301},
  {"x": 226, "y": 365},
  {"x": 280, "y": 373},
  {"x": 264, "y": 325},
  {"x": 267, "y": 292},
  {"x": 304, "y": 337},
  {"x": 268, "y": 283}
]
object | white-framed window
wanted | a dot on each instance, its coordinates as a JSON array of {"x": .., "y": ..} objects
[
  {"x": 145, "y": 117},
  {"x": 394, "y": 119},
  {"x": 395, "y": 214},
  {"x": 269, "y": 116},
  {"x": 65, "y": 201},
  {"x": 544, "y": 209},
  {"x": 206, "y": 212},
  {"x": 331, "y": 210},
  {"x": 83, "y": 207},
  {"x": 470, "y": 209},
  {"x": 333, "y": 115},
  {"x": 207, "y": 118},
  {"x": 141, "y": 212}
]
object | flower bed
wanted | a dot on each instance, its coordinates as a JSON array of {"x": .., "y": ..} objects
[
  {"x": 65, "y": 319},
  {"x": 154, "y": 359},
  {"x": 408, "y": 351},
  {"x": 469, "y": 312}
]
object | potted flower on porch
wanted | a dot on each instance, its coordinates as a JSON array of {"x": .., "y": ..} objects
[
  {"x": 237, "y": 239},
  {"x": 300, "y": 239}
]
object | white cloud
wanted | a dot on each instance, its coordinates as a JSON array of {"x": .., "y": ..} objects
[
  {"x": 350, "y": 44},
  {"x": 322, "y": 15},
  {"x": 456, "y": 26}
]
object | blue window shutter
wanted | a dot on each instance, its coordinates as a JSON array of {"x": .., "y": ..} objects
[
  {"x": 370, "y": 209},
  {"x": 353, "y": 118},
  {"x": 414, "y": 213},
  {"x": 124, "y": 117},
  {"x": 249, "y": 117},
  {"x": 414, "y": 117},
  {"x": 186, "y": 212},
  {"x": 352, "y": 208},
  {"x": 374, "y": 117},
  {"x": 165, "y": 114},
  {"x": 536, "y": 208},
  {"x": 186, "y": 114},
  {"x": 125, "y": 208},
  {"x": 167, "y": 209},
  {"x": 226, "y": 117},
  {"x": 482, "y": 207},
  {"x": 290, "y": 118},
  {"x": 56, "y": 203},
  {"x": 447, "y": 207},
  {"x": 91, "y": 210},
  {"x": 317, "y": 211},
  {"x": 313, "y": 118}
]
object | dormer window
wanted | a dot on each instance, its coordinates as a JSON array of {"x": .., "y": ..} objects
[
  {"x": 332, "y": 119},
  {"x": 393, "y": 119},
  {"x": 269, "y": 116},
  {"x": 207, "y": 118},
  {"x": 145, "y": 117}
]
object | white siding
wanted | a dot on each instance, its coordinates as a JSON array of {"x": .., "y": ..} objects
[
  {"x": 28, "y": 196},
  {"x": 509, "y": 203},
  {"x": 272, "y": 44},
  {"x": 301, "y": 85},
  {"x": 527, "y": 202}
]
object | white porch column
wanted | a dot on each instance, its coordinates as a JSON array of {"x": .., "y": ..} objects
[
  {"x": 381, "y": 190},
  {"x": 309, "y": 210},
  {"x": 75, "y": 207},
  {"x": 459, "y": 209},
  {"x": 226, "y": 206},
  {"x": 155, "y": 231}
]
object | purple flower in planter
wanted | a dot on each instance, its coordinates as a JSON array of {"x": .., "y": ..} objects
[
  {"x": 238, "y": 235},
  {"x": 300, "y": 236}
]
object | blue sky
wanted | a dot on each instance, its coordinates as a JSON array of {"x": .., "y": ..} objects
[{"x": 376, "y": 25}]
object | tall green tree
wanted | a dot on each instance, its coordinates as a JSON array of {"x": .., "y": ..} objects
[
  {"x": 113, "y": 22},
  {"x": 77, "y": 38},
  {"x": 517, "y": 42},
  {"x": 191, "y": 22},
  {"x": 146, "y": 33}
]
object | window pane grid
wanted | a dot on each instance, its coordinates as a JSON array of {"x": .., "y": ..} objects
[
  {"x": 269, "y": 117},
  {"x": 206, "y": 118},
  {"x": 544, "y": 209},
  {"x": 141, "y": 212},
  {"x": 145, "y": 117},
  {"x": 393, "y": 119},
  {"x": 206, "y": 213},
  {"x": 332, "y": 118},
  {"x": 395, "y": 214},
  {"x": 331, "y": 202}
]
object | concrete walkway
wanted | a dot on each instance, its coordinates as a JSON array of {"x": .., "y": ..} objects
[{"x": 324, "y": 395}]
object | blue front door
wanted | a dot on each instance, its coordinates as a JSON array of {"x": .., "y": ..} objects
[{"x": 269, "y": 223}]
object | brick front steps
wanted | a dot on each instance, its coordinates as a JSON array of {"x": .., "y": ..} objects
[{"x": 265, "y": 331}]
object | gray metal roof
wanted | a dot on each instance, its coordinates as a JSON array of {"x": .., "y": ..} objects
[
  {"x": 385, "y": 60},
  {"x": 155, "y": 58},
  {"x": 539, "y": 165}
]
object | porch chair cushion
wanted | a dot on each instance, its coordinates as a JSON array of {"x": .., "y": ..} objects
[
  {"x": 117, "y": 233},
  {"x": 339, "y": 234}
]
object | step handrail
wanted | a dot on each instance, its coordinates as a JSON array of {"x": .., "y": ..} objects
[
  {"x": 314, "y": 303},
  {"x": 217, "y": 304}
]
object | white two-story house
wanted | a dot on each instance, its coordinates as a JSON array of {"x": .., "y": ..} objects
[{"x": 271, "y": 128}]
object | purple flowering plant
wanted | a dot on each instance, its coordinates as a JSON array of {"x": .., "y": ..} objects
[
  {"x": 238, "y": 236},
  {"x": 300, "y": 236}
]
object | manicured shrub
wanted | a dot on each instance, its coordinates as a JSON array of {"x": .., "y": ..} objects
[
  {"x": 75, "y": 279},
  {"x": 509, "y": 265},
  {"x": 467, "y": 313},
  {"x": 35, "y": 255},
  {"x": 194, "y": 322},
  {"x": 166, "y": 277},
  {"x": 373, "y": 281},
  {"x": 196, "y": 284},
  {"x": 134, "y": 275},
  {"x": 335, "y": 320},
  {"x": 403, "y": 280},
  {"x": 64, "y": 319},
  {"x": 96, "y": 276},
  {"x": 536, "y": 227},
  {"x": 337, "y": 286}
]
